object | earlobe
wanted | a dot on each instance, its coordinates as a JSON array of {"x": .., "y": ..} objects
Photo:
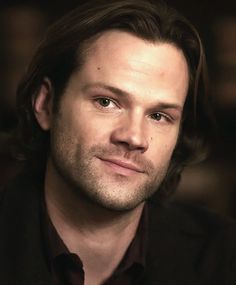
[{"x": 42, "y": 104}]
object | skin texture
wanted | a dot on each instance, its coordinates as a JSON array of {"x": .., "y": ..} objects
[
  {"x": 111, "y": 141},
  {"x": 90, "y": 132}
]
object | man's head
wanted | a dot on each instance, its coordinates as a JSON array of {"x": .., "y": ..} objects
[{"x": 108, "y": 87}]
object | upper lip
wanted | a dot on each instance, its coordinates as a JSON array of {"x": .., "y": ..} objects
[{"x": 122, "y": 163}]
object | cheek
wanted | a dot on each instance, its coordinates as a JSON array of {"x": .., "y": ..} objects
[
  {"x": 162, "y": 145},
  {"x": 161, "y": 152},
  {"x": 88, "y": 130}
]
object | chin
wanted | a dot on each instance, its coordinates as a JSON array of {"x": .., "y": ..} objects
[
  {"x": 116, "y": 204},
  {"x": 120, "y": 207}
]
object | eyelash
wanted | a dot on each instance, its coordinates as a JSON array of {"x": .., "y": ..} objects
[
  {"x": 162, "y": 115},
  {"x": 98, "y": 100}
]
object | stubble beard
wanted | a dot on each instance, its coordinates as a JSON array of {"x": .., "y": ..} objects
[{"x": 77, "y": 168}]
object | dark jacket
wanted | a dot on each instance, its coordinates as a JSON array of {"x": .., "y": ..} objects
[{"x": 186, "y": 246}]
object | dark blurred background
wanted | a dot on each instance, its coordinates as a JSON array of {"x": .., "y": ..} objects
[{"x": 211, "y": 184}]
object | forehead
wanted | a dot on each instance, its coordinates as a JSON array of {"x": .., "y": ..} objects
[
  {"x": 124, "y": 61},
  {"x": 117, "y": 43},
  {"x": 115, "y": 46}
]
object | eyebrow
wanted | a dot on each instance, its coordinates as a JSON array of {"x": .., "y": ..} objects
[
  {"x": 121, "y": 93},
  {"x": 112, "y": 89}
]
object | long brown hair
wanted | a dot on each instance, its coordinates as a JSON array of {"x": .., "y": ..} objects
[{"x": 63, "y": 50}]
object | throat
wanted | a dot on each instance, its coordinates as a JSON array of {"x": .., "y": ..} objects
[
  {"x": 100, "y": 246},
  {"x": 100, "y": 237}
]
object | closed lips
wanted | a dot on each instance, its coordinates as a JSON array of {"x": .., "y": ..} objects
[{"x": 123, "y": 164}]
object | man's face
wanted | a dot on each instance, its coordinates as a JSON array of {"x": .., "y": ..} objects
[{"x": 119, "y": 120}]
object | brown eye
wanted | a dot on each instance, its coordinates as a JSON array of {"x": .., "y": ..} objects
[
  {"x": 156, "y": 116},
  {"x": 104, "y": 102}
]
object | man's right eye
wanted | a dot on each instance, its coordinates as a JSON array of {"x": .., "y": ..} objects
[{"x": 104, "y": 102}]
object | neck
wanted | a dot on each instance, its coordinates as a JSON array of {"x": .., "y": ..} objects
[{"x": 96, "y": 234}]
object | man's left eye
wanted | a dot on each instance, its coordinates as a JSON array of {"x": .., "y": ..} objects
[{"x": 159, "y": 117}]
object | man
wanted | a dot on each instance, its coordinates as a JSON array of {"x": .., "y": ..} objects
[{"x": 110, "y": 111}]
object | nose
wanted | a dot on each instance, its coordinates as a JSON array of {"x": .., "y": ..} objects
[{"x": 131, "y": 133}]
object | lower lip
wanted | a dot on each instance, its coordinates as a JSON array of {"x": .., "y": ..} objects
[{"x": 119, "y": 169}]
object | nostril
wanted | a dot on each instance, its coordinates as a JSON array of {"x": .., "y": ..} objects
[{"x": 130, "y": 140}]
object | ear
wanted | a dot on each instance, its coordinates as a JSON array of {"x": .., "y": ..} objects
[{"x": 42, "y": 104}]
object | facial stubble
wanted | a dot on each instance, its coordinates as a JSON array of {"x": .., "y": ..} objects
[{"x": 79, "y": 167}]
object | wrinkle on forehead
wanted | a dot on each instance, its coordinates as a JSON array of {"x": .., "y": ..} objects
[
  {"x": 136, "y": 58},
  {"x": 122, "y": 60}
]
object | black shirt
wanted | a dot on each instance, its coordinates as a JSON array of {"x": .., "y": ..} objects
[{"x": 67, "y": 268}]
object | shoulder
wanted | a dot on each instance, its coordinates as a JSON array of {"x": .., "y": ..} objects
[
  {"x": 20, "y": 192},
  {"x": 201, "y": 245},
  {"x": 190, "y": 219}
]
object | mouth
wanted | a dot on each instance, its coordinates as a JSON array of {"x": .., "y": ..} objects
[{"x": 121, "y": 167}]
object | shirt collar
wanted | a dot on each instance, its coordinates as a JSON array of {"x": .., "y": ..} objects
[{"x": 135, "y": 254}]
